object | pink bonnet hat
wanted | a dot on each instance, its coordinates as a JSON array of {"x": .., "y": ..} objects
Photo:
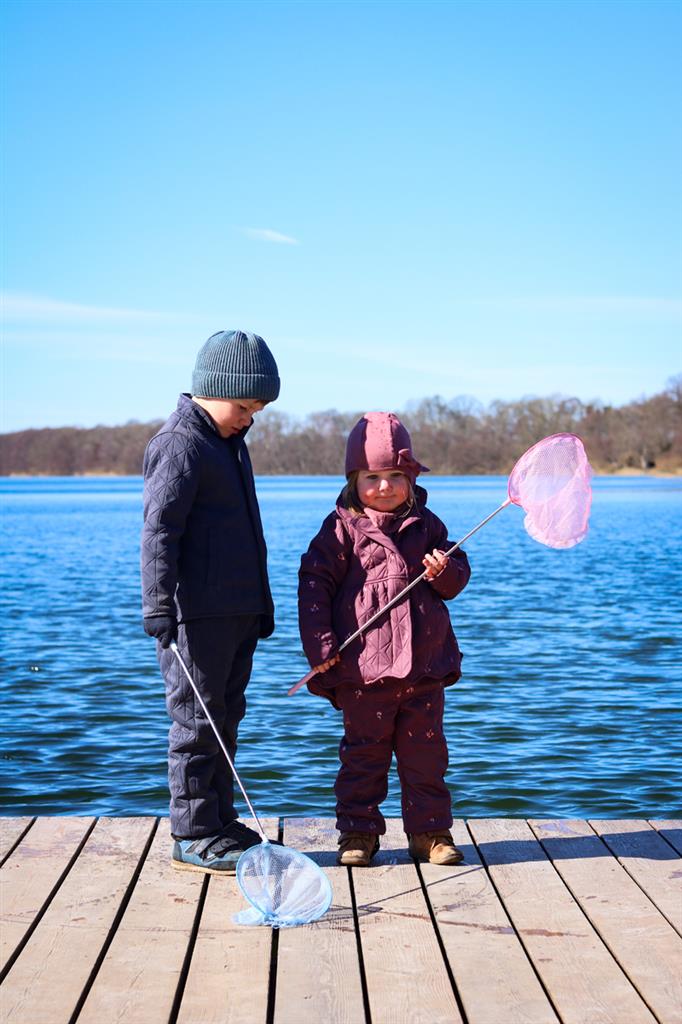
[{"x": 380, "y": 441}]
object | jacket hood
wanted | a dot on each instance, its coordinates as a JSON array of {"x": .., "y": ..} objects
[{"x": 380, "y": 441}]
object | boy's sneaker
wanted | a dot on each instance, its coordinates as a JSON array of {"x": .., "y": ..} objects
[
  {"x": 434, "y": 847},
  {"x": 214, "y": 854},
  {"x": 356, "y": 849}
]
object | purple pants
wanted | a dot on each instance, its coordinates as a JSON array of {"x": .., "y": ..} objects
[{"x": 378, "y": 721}]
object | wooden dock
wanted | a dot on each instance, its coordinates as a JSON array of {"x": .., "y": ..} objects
[{"x": 544, "y": 922}]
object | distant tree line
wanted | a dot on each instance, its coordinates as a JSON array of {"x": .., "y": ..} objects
[{"x": 460, "y": 436}]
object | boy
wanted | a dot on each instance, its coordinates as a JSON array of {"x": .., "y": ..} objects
[{"x": 205, "y": 585}]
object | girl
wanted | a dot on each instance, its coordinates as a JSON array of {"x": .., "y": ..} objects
[{"x": 389, "y": 682}]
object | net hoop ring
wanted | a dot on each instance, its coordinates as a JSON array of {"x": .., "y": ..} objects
[{"x": 544, "y": 442}]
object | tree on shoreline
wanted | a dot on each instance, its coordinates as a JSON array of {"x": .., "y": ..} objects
[{"x": 460, "y": 436}]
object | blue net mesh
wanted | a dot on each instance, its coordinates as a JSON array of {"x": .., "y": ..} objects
[{"x": 284, "y": 887}]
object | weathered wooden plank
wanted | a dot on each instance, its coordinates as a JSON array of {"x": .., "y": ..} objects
[
  {"x": 406, "y": 977},
  {"x": 645, "y": 945},
  {"x": 653, "y": 864},
  {"x": 46, "y": 981},
  {"x": 671, "y": 830},
  {"x": 230, "y": 968},
  {"x": 139, "y": 975},
  {"x": 29, "y": 876},
  {"x": 318, "y": 977},
  {"x": 581, "y": 977},
  {"x": 312, "y": 960},
  {"x": 11, "y": 831},
  {"x": 494, "y": 978}
]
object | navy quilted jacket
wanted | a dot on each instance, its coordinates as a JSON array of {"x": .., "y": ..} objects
[
  {"x": 203, "y": 550},
  {"x": 356, "y": 565}
]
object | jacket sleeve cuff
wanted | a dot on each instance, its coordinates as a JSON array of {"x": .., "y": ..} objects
[
  {"x": 450, "y": 581},
  {"x": 321, "y": 648}
]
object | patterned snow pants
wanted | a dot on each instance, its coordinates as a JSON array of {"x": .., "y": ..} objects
[
  {"x": 379, "y": 721},
  {"x": 218, "y": 653}
]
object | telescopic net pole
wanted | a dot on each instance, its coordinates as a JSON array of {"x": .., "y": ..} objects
[
  {"x": 398, "y": 597},
  {"x": 176, "y": 652}
]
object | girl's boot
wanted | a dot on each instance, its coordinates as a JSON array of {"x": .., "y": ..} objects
[
  {"x": 434, "y": 847},
  {"x": 356, "y": 849}
]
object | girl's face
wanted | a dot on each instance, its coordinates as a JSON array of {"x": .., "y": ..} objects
[{"x": 384, "y": 490}]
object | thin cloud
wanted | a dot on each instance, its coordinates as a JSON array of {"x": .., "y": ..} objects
[
  {"x": 21, "y": 308},
  {"x": 267, "y": 235},
  {"x": 591, "y": 304}
]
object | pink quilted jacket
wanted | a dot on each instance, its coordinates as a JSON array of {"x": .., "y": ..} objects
[{"x": 353, "y": 567}]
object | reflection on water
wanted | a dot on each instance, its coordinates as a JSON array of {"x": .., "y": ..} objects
[{"x": 569, "y": 704}]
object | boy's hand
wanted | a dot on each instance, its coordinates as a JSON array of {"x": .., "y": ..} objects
[
  {"x": 326, "y": 665},
  {"x": 163, "y": 628},
  {"x": 435, "y": 563}
]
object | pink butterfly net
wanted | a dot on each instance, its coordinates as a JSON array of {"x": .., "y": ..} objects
[{"x": 552, "y": 484}]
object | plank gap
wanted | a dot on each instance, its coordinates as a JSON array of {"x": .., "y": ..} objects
[
  {"x": 114, "y": 925},
  {"x": 184, "y": 970},
  {"x": 16, "y": 842},
  {"x": 591, "y": 924},
  {"x": 634, "y": 878},
  {"x": 358, "y": 943},
  {"x": 441, "y": 945},
  {"x": 12, "y": 959},
  {"x": 662, "y": 833},
  {"x": 517, "y": 933},
  {"x": 274, "y": 949},
  {"x": 272, "y": 977}
]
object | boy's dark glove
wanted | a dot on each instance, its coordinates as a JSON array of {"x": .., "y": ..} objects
[{"x": 163, "y": 627}]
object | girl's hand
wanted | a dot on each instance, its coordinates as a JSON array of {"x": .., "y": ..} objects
[
  {"x": 435, "y": 563},
  {"x": 326, "y": 665}
]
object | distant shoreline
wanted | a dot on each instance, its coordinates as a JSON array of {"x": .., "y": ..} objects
[
  {"x": 658, "y": 474},
  {"x": 456, "y": 438}
]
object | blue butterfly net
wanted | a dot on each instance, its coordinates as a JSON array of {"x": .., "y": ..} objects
[{"x": 284, "y": 887}]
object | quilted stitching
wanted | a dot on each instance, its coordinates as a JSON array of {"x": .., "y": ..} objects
[
  {"x": 203, "y": 551},
  {"x": 171, "y": 479}
]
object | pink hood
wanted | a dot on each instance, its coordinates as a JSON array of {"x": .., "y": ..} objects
[{"x": 380, "y": 441}]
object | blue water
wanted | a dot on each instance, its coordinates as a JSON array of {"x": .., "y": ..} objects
[{"x": 569, "y": 704}]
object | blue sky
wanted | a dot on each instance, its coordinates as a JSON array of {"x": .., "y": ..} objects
[{"x": 404, "y": 199}]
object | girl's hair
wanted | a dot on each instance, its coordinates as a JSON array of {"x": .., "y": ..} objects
[
  {"x": 350, "y": 500},
  {"x": 349, "y": 495}
]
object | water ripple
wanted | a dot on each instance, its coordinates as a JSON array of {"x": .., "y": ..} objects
[{"x": 569, "y": 704}]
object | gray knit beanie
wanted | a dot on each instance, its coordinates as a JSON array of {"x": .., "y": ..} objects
[{"x": 235, "y": 364}]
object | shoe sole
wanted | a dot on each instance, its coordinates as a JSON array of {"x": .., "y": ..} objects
[{"x": 180, "y": 865}]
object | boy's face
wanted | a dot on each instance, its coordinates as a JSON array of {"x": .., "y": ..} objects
[
  {"x": 384, "y": 490},
  {"x": 230, "y": 415}
]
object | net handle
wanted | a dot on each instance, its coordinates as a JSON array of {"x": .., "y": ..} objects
[
  {"x": 176, "y": 652},
  {"x": 394, "y": 600}
]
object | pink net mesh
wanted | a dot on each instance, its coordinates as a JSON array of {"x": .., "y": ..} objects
[{"x": 551, "y": 483}]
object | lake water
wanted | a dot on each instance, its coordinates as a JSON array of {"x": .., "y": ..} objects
[{"x": 569, "y": 704}]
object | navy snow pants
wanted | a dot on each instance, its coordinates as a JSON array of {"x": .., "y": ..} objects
[
  {"x": 381, "y": 720},
  {"x": 218, "y": 653}
]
